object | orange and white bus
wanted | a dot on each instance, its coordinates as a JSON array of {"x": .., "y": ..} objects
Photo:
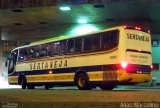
[{"x": 118, "y": 55}]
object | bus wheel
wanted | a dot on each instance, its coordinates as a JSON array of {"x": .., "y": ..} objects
[
  {"x": 46, "y": 87},
  {"x": 29, "y": 86},
  {"x": 107, "y": 86},
  {"x": 82, "y": 82},
  {"x": 23, "y": 83}
]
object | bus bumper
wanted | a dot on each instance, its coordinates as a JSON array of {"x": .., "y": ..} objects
[{"x": 123, "y": 76}]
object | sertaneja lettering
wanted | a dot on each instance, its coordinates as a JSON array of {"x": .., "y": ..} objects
[
  {"x": 48, "y": 65},
  {"x": 137, "y": 37},
  {"x": 38, "y": 66},
  {"x": 51, "y": 64}
]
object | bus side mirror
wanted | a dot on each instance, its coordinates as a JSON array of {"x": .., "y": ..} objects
[{"x": 6, "y": 63}]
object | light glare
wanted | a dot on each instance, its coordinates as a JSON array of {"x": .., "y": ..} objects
[
  {"x": 82, "y": 21},
  {"x": 65, "y": 8},
  {"x": 124, "y": 65},
  {"x": 85, "y": 29}
]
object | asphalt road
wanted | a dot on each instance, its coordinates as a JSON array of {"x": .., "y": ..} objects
[{"x": 71, "y": 97}]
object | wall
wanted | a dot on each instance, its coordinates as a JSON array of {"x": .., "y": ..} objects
[
  {"x": 156, "y": 58},
  {"x": 1, "y": 59}
]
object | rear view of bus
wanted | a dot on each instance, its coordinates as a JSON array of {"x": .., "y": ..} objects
[{"x": 136, "y": 60}]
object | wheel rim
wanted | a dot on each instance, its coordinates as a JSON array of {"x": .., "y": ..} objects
[{"x": 81, "y": 82}]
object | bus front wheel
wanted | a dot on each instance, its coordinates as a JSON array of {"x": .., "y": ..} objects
[
  {"x": 29, "y": 86},
  {"x": 23, "y": 83},
  {"x": 82, "y": 81}
]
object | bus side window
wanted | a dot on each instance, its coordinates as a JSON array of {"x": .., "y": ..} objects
[
  {"x": 110, "y": 39},
  {"x": 50, "y": 49},
  {"x": 114, "y": 35},
  {"x": 95, "y": 42},
  {"x": 23, "y": 54},
  {"x": 32, "y": 53},
  {"x": 105, "y": 40},
  {"x": 87, "y": 44},
  {"x": 70, "y": 46},
  {"x": 43, "y": 50},
  {"x": 62, "y": 47},
  {"x": 78, "y": 45},
  {"x": 37, "y": 51},
  {"x": 59, "y": 47},
  {"x": 13, "y": 60},
  {"x": 56, "y": 48}
]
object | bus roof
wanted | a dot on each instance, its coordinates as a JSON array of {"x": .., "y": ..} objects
[
  {"x": 68, "y": 37},
  {"x": 48, "y": 40},
  {"x": 58, "y": 38}
]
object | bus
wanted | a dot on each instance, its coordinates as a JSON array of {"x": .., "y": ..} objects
[{"x": 105, "y": 58}]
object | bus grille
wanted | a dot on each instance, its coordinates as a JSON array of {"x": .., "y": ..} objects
[{"x": 110, "y": 75}]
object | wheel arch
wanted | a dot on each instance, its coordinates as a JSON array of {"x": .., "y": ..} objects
[
  {"x": 20, "y": 77},
  {"x": 80, "y": 71}
]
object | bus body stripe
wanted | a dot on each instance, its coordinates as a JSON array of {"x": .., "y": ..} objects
[
  {"x": 133, "y": 69},
  {"x": 133, "y": 50}
]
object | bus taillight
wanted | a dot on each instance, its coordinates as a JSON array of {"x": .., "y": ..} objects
[
  {"x": 124, "y": 26},
  {"x": 50, "y": 72},
  {"x": 137, "y": 28},
  {"x": 124, "y": 65},
  {"x": 132, "y": 27},
  {"x": 152, "y": 66}
]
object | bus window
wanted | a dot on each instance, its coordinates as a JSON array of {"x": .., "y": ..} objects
[
  {"x": 92, "y": 43},
  {"x": 87, "y": 44},
  {"x": 59, "y": 47},
  {"x": 32, "y": 53},
  {"x": 37, "y": 51},
  {"x": 12, "y": 61},
  {"x": 109, "y": 39},
  {"x": 70, "y": 46},
  {"x": 95, "y": 42},
  {"x": 78, "y": 45},
  {"x": 23, "y": 54},
  {"x": 62, "y": 47},
  {"x": 105, "y": 41},
  {"x": 113, "y": 38},
  {"x": 56, "y": 48},
  {"x": 43, "y": 50},
  {"x": 50, "y": 49}
]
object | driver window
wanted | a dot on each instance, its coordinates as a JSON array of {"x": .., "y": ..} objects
[{"x": 13, "y": 60}]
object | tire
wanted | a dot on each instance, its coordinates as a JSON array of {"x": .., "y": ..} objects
[
  {"x": 46, "y": 87},
  {"x": 29, "y": 86},
  {"x": 107, "y": 86},
  {"x": 23, "y": 83},
  {"x": 82, "y": 82}
]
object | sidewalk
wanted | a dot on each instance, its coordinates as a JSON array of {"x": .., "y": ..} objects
[
  {"x": 4, "y": 84},
  {"x": 137, "y": 87}
]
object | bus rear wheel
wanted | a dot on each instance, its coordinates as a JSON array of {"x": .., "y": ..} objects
[
  {"x": 82, "y": 82},
  {"x": 107, "y": 86}
]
